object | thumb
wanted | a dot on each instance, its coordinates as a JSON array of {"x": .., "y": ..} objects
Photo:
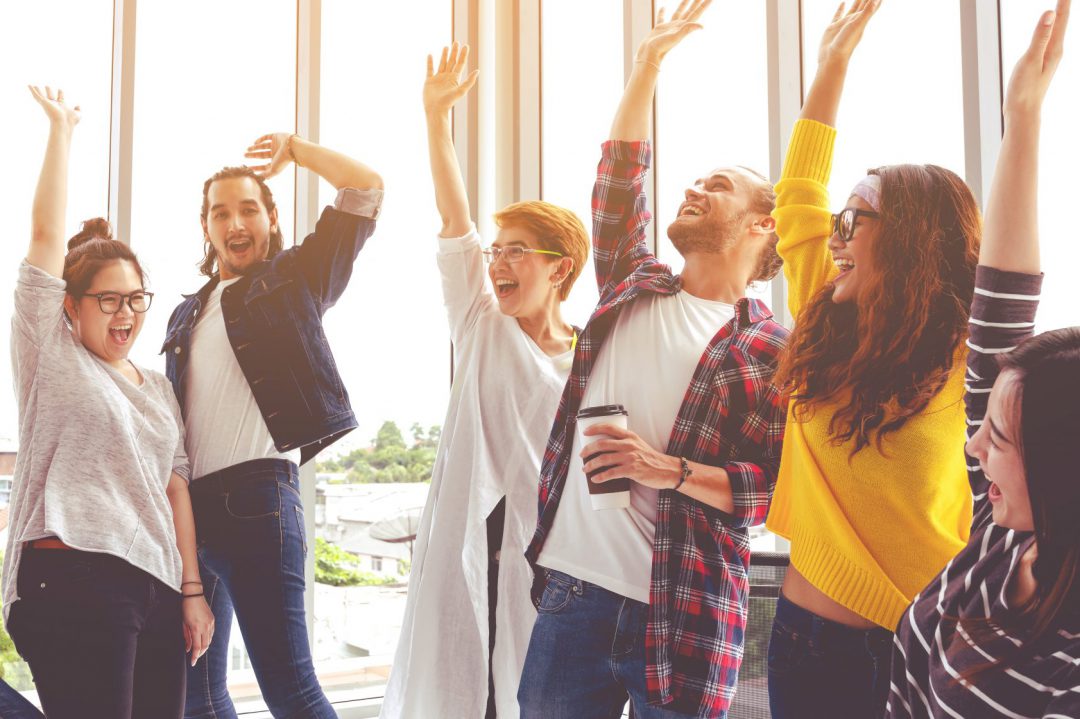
[{"x": 469, "y": 81}]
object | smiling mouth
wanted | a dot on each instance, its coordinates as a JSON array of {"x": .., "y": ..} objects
[
  {"x": 691, "y": 211},
  {"x": 121, "y": 333},
  {"x": 504, "y": 288},
  {"x": 239, "y": 246},
  {"x": 844, "y": 265}
]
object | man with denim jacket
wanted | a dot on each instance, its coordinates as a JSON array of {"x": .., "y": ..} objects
[{"x": 261, "y": 394}]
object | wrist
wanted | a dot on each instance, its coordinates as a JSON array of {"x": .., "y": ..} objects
[{"x": 833, "y": 65}]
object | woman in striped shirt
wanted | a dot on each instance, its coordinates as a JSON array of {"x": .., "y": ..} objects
[{"x": 998, "y": 632}]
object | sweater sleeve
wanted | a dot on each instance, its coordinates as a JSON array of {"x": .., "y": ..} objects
[{"x": 803, "y": 220}]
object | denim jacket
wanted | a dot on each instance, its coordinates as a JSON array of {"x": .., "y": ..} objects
[{"x": 273, "y": 317}]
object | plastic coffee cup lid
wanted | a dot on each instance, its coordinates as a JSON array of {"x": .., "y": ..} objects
[{"x": 604, "y": 410}]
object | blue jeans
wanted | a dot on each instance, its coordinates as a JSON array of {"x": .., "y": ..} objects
[
  {"x": 102, "y": 637},
  {"x": 250, "y": 527},
  {"x": 14, "y": 706},
  {"x": 818, "y": 667},
  {"x": 586, "y": 655}
]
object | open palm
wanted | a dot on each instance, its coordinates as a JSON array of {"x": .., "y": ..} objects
[
  {"x": 846, "y": 30},
  {"x": 444, "y": 87},
  {"x": 667, "y": 34},
  {"x": 58, "y": 111}
]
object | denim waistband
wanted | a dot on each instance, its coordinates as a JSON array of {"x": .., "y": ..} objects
[
  {"x": 246, "y": 473},
  {"x": 828, "y": 633}
]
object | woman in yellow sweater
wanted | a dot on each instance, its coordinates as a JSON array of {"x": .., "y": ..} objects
[{"x": 871, "y": 493}]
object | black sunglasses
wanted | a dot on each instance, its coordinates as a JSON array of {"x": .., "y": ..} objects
[{"x": 843, "y": 223}]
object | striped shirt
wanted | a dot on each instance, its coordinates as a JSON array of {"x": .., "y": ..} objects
[{"x": 930, "y": 651}]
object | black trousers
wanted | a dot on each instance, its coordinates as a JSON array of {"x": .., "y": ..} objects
[
  {"x": 495, "y": 523},
  {"x": 103, "y": 639}
]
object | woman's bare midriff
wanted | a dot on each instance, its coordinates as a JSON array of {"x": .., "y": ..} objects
[{"x": 799, "y": 591}]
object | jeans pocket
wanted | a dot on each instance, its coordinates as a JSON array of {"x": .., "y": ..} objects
[
  {"x": 254, "y": 501},
  {"x": 52, "y": 573},
  {"x": 558, "y": 593},
  {"x": 787, "y": 649},
  {"x": 300, "y": 528}
]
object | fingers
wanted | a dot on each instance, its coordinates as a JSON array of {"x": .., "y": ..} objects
[
  {"x": 59, "y": 95},
  {"x": 462, "y": 60},
  {"x": 678, "y": 14},
  {"x": 430, "y": 67},
  {"x": 838, "y": 14},
  {"x": 1056, "y": 46},
  {"x": 469, "y": 81},
  {"x": 659, "y": 17},
  {"x": 697, "y": 9},
  {"x": 1043, "y": 32},
  {"x": 612, "y": 430},
  {"x": 442, "y": 60}
]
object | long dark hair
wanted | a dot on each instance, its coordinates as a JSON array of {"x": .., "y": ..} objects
[
  {"x": 1046, "y": 402},
  {"x": 885, "y": 356},
  {"x": 208, "y": 264}
]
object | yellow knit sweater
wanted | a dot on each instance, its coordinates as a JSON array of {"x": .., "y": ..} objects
[{"x": 870, "y": 531}]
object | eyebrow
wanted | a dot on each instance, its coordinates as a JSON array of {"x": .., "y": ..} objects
[
  {"x": 997, "y": 432},
  {"x": 718, "y": 176},
  {"x": 242, "y": 202},
  {"x": 515, "y": 243}
]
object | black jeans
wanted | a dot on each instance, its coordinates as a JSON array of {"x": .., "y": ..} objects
[
  {"x": 820, "y": 668},
  {"x": 103, "y": 638}
]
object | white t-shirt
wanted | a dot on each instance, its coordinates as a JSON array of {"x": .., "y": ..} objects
[
  {"x": 224, "y": 423},
  {"x": 646, "y": 365}
]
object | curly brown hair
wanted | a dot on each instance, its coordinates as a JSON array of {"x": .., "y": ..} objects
[{"x": 883, "y": 357}]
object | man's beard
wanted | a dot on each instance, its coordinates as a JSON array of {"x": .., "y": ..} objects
[{"x": 713, "y": 235}]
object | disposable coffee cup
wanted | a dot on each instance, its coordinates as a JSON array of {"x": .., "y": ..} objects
[{"x": 615, "y": 493}]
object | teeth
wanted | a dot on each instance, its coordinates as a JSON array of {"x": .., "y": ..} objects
[
  {"x": 504, "y": 283},
  {"x": 692, "y": 210},
  {"x": 843, "y": 264}
]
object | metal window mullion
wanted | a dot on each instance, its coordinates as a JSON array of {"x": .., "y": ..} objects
[
  {"x": 784, "y": 49},
  {"x": 306, "y": 205},
  {"x": 980, "y": 43},
  {"x": 121, "y": 117}
]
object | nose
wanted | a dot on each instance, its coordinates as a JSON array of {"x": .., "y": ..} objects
[
  {"x": 236, "y": 223},
  {"x": 975, "y": 447},
  {"x": 693, "y": 193},
  {"x": 835, "y": 243}
]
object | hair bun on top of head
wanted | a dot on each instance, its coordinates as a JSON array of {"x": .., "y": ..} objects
[{"x": 97, "y": 228}]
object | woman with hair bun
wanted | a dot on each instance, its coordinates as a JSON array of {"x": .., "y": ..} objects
[{"x": 101, "y": 585}]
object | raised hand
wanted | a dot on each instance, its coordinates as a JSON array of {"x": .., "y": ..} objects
[
  {"x": 1033, "y": 72},
  {"x": 666, "y": 35},
  {"x": 845, "y": 31},
  {"x": 445, "y": 87},
  {"x": 273, "y": 147},
  {"x": 58, "y": 111}
]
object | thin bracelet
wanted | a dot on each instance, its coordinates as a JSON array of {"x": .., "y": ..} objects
[
  {"x": 288, "y": 146},
  {"x": 647, "y": 62},
  {"x": 192, "y": 596},
  {"x": 193, "y": 581}
]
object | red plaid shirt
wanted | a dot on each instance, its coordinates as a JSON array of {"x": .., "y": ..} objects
[{"x": 732, "y": 417}]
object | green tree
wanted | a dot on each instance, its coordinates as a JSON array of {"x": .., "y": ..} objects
[
  {"x": 389, "y": 459},
  {"x": 336, "y": 567}
]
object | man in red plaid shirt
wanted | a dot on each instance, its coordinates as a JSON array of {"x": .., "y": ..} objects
[{"x": 649, "y": 601}]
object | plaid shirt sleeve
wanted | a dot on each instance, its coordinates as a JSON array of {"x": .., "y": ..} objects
[
  {"x": 753, "y": 476},
  {"x": 618, "y": 213}
]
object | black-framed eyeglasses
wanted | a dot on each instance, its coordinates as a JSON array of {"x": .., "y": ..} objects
[
  {"x": 843, "y": 223},
  {"x": 111, "y": 302},
  {"x": 514, "y": 253}
]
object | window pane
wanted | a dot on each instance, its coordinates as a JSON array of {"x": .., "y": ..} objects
[
  {"x": 576, "y": 116},
  {"x": 894, "y": 111},
  {"x": 712, "y": 110},
  {"x": 1060, "y": 146},
  {"x": 203, "y": 92},
  {"x": 74, "y": 55},
  {"x": 388, "y": 331}
]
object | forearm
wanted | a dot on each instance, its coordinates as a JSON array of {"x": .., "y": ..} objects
[
  {"x": 337, "y": 169},
  {"x": 1010, "y": 239},
  {"x": 50, "y": 204},
  {"x": 823, "y": 100},
  {"x": 633, "y": 119},
  {"x": 705, "y": 483},
  {"x": 184, "y": 523},
  {"x": 450, "y": 195}
]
